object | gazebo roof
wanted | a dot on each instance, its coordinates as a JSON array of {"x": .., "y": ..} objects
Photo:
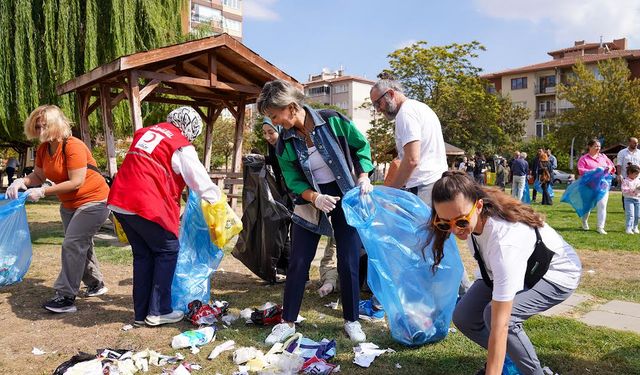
[{"x": 215, "y": 69}]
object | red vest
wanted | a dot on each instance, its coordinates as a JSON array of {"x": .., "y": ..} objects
[{"x": 146, "y": 184}]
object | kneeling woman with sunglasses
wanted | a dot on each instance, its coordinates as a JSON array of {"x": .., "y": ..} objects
[{"x": 526, "y": 267}]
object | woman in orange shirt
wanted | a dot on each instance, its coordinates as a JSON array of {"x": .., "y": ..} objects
[{"x": 83, "y": 192}]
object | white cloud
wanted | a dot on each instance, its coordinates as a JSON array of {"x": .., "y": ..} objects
[
  {"x": 260, "y": 10},
  {"x": 571, "y": 19}
]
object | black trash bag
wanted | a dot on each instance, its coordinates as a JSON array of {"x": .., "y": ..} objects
[
  {"x": 80, "y": 357},
  {"x": 265, "y": 220}
]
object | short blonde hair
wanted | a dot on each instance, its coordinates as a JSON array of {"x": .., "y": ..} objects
[{"x": 58, "y": 125}]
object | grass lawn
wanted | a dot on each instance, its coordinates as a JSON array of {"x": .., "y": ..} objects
[{"x": 564, "y": 344}]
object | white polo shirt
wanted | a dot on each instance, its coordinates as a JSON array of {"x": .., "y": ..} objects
[{"x": 415, "y": 121}]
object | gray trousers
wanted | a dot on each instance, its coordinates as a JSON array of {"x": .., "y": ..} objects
[
  {"x": 472, "y": 316},
  {"x": 329, "y": 265},
  {"x": 79, "y": 262}
]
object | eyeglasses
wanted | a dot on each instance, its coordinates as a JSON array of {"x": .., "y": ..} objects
[
  {"x": 376, "y": 103},
  {"x": 460, "y": 222}
]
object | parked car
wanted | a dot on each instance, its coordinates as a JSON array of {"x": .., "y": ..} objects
[{"x": 563, "y": 177}]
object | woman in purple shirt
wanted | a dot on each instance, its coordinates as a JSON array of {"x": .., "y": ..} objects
[{"x": 591, "y": 160}]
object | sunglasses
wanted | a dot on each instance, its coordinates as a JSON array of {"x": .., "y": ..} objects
[{"x": 460, "y": 222}]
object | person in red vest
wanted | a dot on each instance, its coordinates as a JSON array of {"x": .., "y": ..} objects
[{"x": 145, "y": 198}]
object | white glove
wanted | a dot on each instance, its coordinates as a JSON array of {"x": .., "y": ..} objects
[
  {"x": 365, "y": 185},
  {"x": 325, "y": 203},
  {"x": 15, "y": 187},
  {"x": 34, "y": 194}
]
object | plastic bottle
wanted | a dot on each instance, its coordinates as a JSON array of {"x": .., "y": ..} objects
[
  {"x": 196, "y": 337},
  {"x": 509, "y": 368}
]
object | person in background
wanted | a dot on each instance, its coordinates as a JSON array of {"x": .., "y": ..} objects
[
  {"x": 544, "y": 175},
  {"x": 480, "y": 169},
  {"x": 11, "y": 168},
  {"x": 501, "y": 173},
  {"x": 271, "y": 134},
  {"x": 589, "y": 161},
  {"x": 504, "y": 235},
  {"x": 82, "y": 191},
  {"x": 553, "y": 164},
  {"x": 631, "y": 195},
  {"x": 519, "y": 172},
  {"x": 145, "y": 198},
  {"x": 626, "y": 156},
  {"x": 319, "y": 152},
  {"x": 534, "y": 171},
  {"x": 462, "y": 167}
]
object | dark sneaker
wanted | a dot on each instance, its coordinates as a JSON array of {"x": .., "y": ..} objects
[
  {"x": 366, "y": 311},
  {"x": 61, "y": 305},
  {"x": 96, "y": 291}
]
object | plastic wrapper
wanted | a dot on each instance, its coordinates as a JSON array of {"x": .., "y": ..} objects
[
  {"x": 197, "y": 260},
  {"x": 265, "y": 220},
  {"x": 538, "y": 187},
  {"x": 15, "y": 240},
  {"x": 584, "y": 194},
  {"x": 394, "y": 226},
  {"x": 222, "y": 221}
]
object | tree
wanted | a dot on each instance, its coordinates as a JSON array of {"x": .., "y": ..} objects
[
  {"x": 445, "y": 78},
  {"x": 46, "y": 42},
  {"x": 605, "y": 105}
]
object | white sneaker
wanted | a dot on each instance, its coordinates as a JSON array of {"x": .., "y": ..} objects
[
  {"x": 635, "y": 230},
  {"x": 279, "y": 333},
  {"x": 601, "y": 231},
  {"x": 585, "y": 225},
  {"x": 172, "y": 317},
  {"x": 96, "y": 291},
  {"x": 629, "y": 231},
  {"x": 354, "y": 331}
]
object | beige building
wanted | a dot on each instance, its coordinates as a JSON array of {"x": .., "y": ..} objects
[
  {"x": 534, "y": 86},
  {"x": 224, "y": 16},
  {"x": 346, "y": 92}
]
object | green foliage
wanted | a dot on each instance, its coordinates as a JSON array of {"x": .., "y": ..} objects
[
  {"x": 381, "y": 136},
  {"x": 44, "y": 43},
  {"x": 445, "y": 78},
  {"x": 605, "y": 106}
]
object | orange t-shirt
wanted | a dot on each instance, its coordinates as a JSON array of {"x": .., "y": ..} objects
[{"x": 55, "y": 167}]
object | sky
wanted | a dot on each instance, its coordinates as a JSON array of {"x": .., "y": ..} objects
[{"x": 302, "y": 37}]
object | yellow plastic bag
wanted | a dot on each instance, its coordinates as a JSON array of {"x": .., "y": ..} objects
[
  {"x": 222, "y": 220},
  {"x": 122, "y": 236}
]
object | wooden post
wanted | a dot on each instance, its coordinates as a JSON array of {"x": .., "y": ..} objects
[
  {"x": 237, "y": 150},
  {"x": 237, "y": 145},
  {"x": 213, "y": 69},
  {"x": 82, "y": 99},
  {"x": 212, "y": 116},
  {"x": 107, "y": 124},
  {"x": 134, "y": 101}
]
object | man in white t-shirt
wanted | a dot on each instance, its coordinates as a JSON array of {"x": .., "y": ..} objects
[
  {"x": 419, "y": 140},
  {"x": 631, "y": 154},
  {"x": 419, "y": 143}
]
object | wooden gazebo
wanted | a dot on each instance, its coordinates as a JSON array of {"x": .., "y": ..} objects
[{"x": 208, "y": 74}]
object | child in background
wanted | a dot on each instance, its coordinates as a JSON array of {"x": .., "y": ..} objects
[{"x": 631, "y": 198}]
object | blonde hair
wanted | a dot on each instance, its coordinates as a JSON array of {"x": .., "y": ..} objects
[{"x": 58, "y": 125}]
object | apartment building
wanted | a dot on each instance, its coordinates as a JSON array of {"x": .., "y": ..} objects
[
  {"x": 223, "y": 16},
  {"x": 343, "y": 91},
  {"x": 534, "y": 86}
]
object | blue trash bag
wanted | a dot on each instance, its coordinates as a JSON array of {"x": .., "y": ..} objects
[
  {"x": 15, "y": 240},
  {"x": 393, "y": 226},
  {"x": 526, "y": 197},
  {"x": 538, "y": 187},
  {"x": 197, "y": 260},
  {"x": 584, "y": 194}
]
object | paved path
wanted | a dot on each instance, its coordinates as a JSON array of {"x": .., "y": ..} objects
[{"x": 614, "y": 314}]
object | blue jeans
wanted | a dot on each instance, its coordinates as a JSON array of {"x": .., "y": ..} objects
[
  {"x": 303, "y": 248},
  {"x": 631, "y": 211},
  {"x": 155, "y": 254}
]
